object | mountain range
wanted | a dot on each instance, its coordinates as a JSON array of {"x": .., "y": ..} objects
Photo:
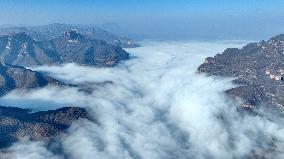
[
  {"x": 23, "y": 47},
  {"x": 23, "y": 50},
  {"x": 51, "y": 31},
  {"x": 257, "y": 69}
]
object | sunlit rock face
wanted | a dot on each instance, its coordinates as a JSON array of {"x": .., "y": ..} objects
[
  {"x": 16, "y": 123},
  {"x": 258, "y": 68},
  {"x": 21, "y": 49}
]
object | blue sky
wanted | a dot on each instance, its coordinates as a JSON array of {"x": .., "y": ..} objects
[{"x": 155, "y": 17}]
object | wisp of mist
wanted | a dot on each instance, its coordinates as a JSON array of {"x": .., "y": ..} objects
[{"x": 156, "y": 107}]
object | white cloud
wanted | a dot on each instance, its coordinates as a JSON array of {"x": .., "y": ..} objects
[
  {"x": 157, "y": 107},
  {"x": 26, "y": 149}
]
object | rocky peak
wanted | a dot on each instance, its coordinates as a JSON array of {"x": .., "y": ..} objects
[{"x": 73, "y": 35}]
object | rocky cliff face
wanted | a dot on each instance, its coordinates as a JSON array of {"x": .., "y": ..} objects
[
  {"x": 258, "y": 69},
  {"x": 16, "y": 123},
  {"x": 21, "y": 49}
]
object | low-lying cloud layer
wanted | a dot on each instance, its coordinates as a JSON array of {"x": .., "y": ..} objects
[{"x": 157, "y": 107}]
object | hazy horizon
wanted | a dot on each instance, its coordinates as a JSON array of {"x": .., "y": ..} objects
[{"x": 168, "y": 19}]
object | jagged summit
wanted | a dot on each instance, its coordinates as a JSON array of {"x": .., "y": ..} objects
[{"x": 73, "y": 34}]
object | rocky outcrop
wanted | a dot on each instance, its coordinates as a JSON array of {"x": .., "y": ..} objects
[
  {"x": 22, "y": 50},
  {"x": 258, "y": 69},
  {"x": 16, "y": 123}
]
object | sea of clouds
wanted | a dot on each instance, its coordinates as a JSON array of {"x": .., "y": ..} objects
[{"x": 156, "y": 107}]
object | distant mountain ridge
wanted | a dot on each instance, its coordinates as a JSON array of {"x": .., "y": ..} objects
[
  {"x": 47, "y": 32},
  {"x": 23, "y": 50}
]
